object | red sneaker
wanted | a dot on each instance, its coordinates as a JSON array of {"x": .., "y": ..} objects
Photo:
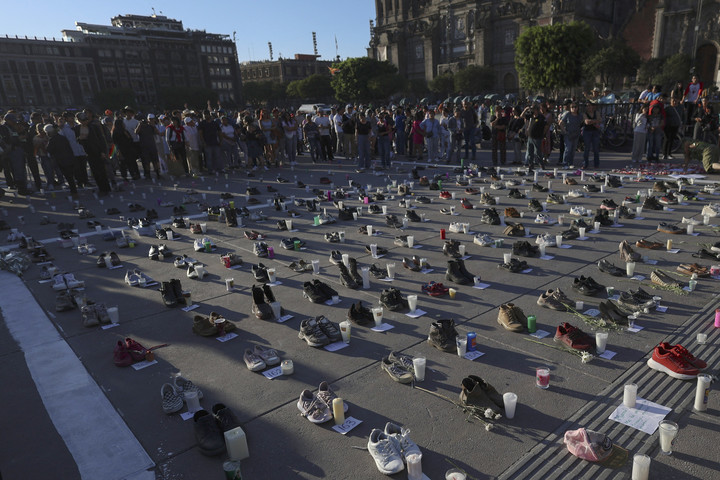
[
  {"x": 445, "y": 194},
  {"x": 466, "y": 203},
  {"x": 672, "y": 363},
  {"x": 121, "y": 356},
  {"x": 684, "y": 353},
  {"x": 573, "y": 337},
  {"x": 435, "y": 289}
]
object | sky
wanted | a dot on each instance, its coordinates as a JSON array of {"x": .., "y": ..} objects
[{"x": 287, "y": 24}]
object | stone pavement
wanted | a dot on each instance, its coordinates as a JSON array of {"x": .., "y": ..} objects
[{"x": 283, "y": 445}]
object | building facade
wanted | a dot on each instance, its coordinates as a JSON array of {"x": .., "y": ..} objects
[
  {"x": 147, "y": 54},
  {"x": 425, "y": 38},
  {"x": 284, "y": 70}
]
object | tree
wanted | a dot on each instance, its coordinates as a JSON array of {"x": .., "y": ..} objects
[
  {"x": 613, "y": 62},
  {"x": 647, "y": 71},
  {"x": 675, "y": 69},
  {"x": 550, "y": 58},
  {"x": 315, "y": 86},
  {"x": 474, "y": 79},
  {"x": 114, "y": 98},
  {"x": 443, "y": 84},
  {"x": 362, "y": 78},
  {"x": 257, "y": 92}
]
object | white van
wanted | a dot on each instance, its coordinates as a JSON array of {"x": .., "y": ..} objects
[{"x": 313, "y": 108}]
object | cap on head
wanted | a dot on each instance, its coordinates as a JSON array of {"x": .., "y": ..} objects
[
  {"x": 188, "y": 120},
  {"x": 49, "y": 129},
  {"x": 150, "y": 115}
]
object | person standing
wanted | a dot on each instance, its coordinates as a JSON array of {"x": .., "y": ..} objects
[
  {"x": 362, "y": 132},
  {"x": 348, "y": 133},
  {"x": 131, "y": 123},
  {"x": 591, "y": 135},
  {"x": 92, "y": 139},
  {"x": 289, "y": 127},
  {"x": 673, "y": 122},
  {"x": 311, "y": 134},
  {"x": 193, "y": 146},
  {"x": 400, "y": 138},
  {"x": 470, "y": 123},
  {"x": 337, "y": 120},
  {"x": 324, "y": 127},
  {"x": 384, "y": 140},
  {"x": 516, "y": 127},
  {"x": 656, "y": 124},
  {"x": 175, "y": 138},
  {"x": 499, "y": 123},
  {"x": 536, "y": 131},
  {"x": 147, "y": 132},
  {"x": 705, "y": 120},
  {"x": 570, "y": 126},
  {"x": 455, "y": 127},
  {"x": 431, "y": 131},
  {"x": 62, "y": 153},
  {"x": 640, "y": 128},
  {"x": 691, "y": 98}
]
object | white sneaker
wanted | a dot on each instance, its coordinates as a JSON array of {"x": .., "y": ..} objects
[
  {"x": 385, "y": 450},
  {"x": 542, "y": 218},
  {"x": 690, "y": 221},
  {"x": 402, "y": 435},
  {"x": 711, "y": 210},
  {"x": 455, "y": 227},
  {"x": 59, "y": 282},
  {"x": 578, "y": 211},
  {"x": 545, "y": 239},
  {"x": 483, "y": 240},
  {"x": 575, "y": 193},
  {"x": 71, "y": 282}
]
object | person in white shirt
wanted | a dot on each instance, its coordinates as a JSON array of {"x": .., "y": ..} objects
[
  {"x": 337, "y": 122},
  {"x": 193, "y": 145},
  {"x": 431, "y": 131},
  {"x": 640, "y": 128},
  {"x": 323, "y": 124}
]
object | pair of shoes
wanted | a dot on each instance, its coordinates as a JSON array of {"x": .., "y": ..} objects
[
  {"x": 127, "y": 352},
  {"x": 478, "y": 393},
  {"x": 573, "y": 337},
  {"x": 514, "y": 229},
  {"x": 443, "y": 334},
  {"x": 412, "y": 264},
  {"x": 608, "y": 204},
  {"x": 603, "y": 217},
  {"x": 662, "y": 279},
  {"x": 360, "y": 314},
  {"x": 511, "y": 212},
  {"x": 230, "y": 260},
  {"x": 514, "y": 265},
  {"x": 613, "y": 314},
  {"x": 260, "y": 308},
  {"x": 435, "y": 289},
  {"x": 642, "y": 243},
  {"x": 66, "y": 281},
  {"x": 676, "y": 361},
  {"x": 670, "y": 228},
  {"x": 523, "y": 248},
  {"x": 347, "y": 279},
  {"x": 319, "y": 331},
  {"x": 483, "y": 240},
  {"x": 196, "y": 271},
  {"x": 289, "y": 243},
  {"x": 490, "y": 216},
  {"x": 693, "y": 269},
  {"x": 159, "y": 252},
  {"x": 651, "y": 203},
  {"x": 259, "y": 358},
  {"x": 457, "y": 273},
  {"x": 391, "y": 447},
  {"x": 587, "y": 286},
  {"x": 210, "y": 428},
  {"x": 627, "y": 254},
  {"x": 94, "y": 315},
  {"x": 204, "y": 245},
  {"x": 607, "y": 267},
  {"x": 511, "y": 317},
  {"x": 300, "y": 266},
  {"x": 451, "y": 248},
  {"x": 318, "y": 292},
  {"x": 260, "y": 249},
  {"x": 391, "y": 298},
  {"x": 486, "y": 199},
  {"x": 399, "y": 366},
  {"x": 184, "y": 261},
  {"x": 172, "y": 293},
  {"x": 554, "y": 300},
  {"x": 112, "y": 257}
]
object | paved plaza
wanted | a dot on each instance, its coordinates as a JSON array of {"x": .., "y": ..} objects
[{"x": 83, "y": 417}]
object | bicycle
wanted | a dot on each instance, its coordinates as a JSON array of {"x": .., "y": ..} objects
[{"x": 614, "y": 132}]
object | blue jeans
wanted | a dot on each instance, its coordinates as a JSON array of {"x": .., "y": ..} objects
[
  {"x": 314, "y": 143},
  {"x": 533, "y": 155},
  {"x": 591, "y": 138},
  {"x": 291, "y": 148},
  {"x": 383, "y": 144},
  {"x": 363, "y": 145},
  {"x": 654, "y": 142},
  {"x": 570, "y": 147},
  {"x": 213, "y": 162},
  {"x": 400, "y": 142},
  {"x": 469, "y": 135}
]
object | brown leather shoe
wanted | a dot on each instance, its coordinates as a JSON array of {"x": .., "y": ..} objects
[{"x": 642, "y": 243}]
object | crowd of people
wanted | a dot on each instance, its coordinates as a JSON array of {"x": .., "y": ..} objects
[{"x": 116, "y": 145}]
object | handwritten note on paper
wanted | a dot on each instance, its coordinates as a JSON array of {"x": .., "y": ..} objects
[
  {"x": 646, "y": 416},
  {"x": 348, "y": 425},
  {"x": 473, "y": 355}
]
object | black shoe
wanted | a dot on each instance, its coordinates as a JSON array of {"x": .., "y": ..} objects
[
  {"x": 607, "y": 267},
  {"x": 208, "y": 434},
  {"x": 325, "y": 288},
  {"x": 515, "y": 193},
  {"x": 539, "y": 188},
  {"x": 177, "y": 291},
  {"x": 260, "y": 308},
  {"x": 346, "y": 278},
  {"x": 352, "y": 268},
  {"x": 312, "y": 293},
  {"x": 442, "y": 335},
  {"x": 359, "y": 314},
  {"x": 535, "y": 206},
  {"x": 490, "y": 216},
  {"x": 377, "y": 272},
  {"x": 603, "y": 217},
  {"x": 464, "y": 271},
  {"x": 411, "y": 264},
  {"x": 453, "y": 274},
  {"x": 260, "y": 273},
  {"x": 522, "y": 248},
  {"x": 412, "y": 216},
  {"x": 451, "y": 248},
  {"x": 392, "y": 221},
  {"x": 168, "y": 294},
  {"x": 591, "y": 188},
  {"x": 391, "y": 299},
  {"x": 514, "y": 265}
]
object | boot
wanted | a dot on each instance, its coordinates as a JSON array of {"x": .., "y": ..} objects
[
  {"x": 260, "y": 309},
  {"x": 442, "y": 335},
  {"x": 231, "y": 217},
  {"x": 168, "y": 295},
  {"x": 453, "y": 273},
  {"x": 489, "y": 390},
  {"x": 352, "y": 268},
  {"x": 177, "y": 291},
  {"x": 464, "y": 271}
]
